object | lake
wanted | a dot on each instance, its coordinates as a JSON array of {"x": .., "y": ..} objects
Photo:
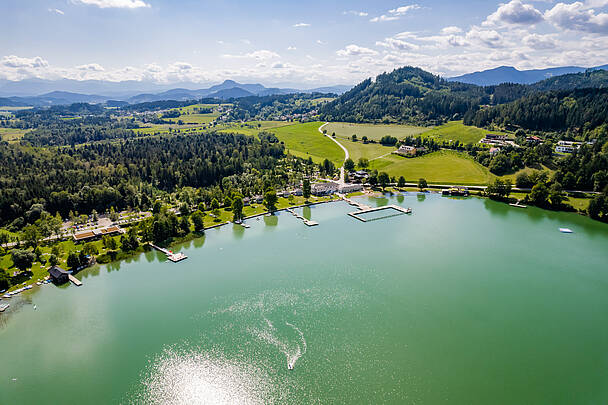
[{"x": 465, "y": 301}]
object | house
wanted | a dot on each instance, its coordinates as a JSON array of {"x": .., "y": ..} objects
[
  {"x": 494, "y": 151},
  {"x": 321, "y": 189},
  {"x": 533, "y": 139},
  {"x": 406, "y": 150},
  {"x": 246, "y": 201},
  {"x": 493, "y": 139},
  {"x": 360, "y": 175},
  {"x": 567, "y": 146},
  {"x": 97, "y": 233},
  {"x": 349, "y": 188},
  {"x": 455, "y": 191},
  {"x": 58, "y": 275},
  {"x": 258, "y": 199},
  {"x": 297, "y": 192}
]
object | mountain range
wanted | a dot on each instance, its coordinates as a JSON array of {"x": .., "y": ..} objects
[
  {"x": 17, "y": 94},
  {"x": 509, "y": 74}
]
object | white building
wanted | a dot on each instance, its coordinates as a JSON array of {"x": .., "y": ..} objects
[
  {"x": 349, "y": 188},
  {"x": 406, "y": 150},
  {"x": 567, "y": 146}
]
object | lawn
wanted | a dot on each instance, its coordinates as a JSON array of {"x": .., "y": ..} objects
[
  {"x": 305, "y": 140},
  {"x": 11, "y": 134},
  {"x": 372, "y": 131},
  {"x": 457, "y": 131},
  {"x": 443, "y": 167},
  {"x": 369, "y": 151}
]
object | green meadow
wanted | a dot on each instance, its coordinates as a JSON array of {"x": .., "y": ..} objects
[
  {"x": 305, "y": 140},
  {"x": 457, "y": 131},
  {"x": 372, "y": 131},
  {"x": 11, "y": 134}
]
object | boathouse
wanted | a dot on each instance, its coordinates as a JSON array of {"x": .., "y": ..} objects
[{"x": 58, "y": 275}]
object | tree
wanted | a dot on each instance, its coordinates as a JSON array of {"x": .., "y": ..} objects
[
  {"x": 22, "y": 259},
  {"x": 184, "y": 210},
  {"x": 598, "y": 208},
  {"x": 129, "y": 242},
  {"x": 383, "y": 179},
  {"x": 90, "y": 249},
  {"x": 227, "y": 202},
  {"x": 354, "y": 137},
  {"x": 31, "y": 235},
  {"x": 109, "y": 242},
  {"x": 306, "y": 188},
  {"x": 499, "y": 188},
  {"x": 422, "y": 184},
  {"x": 113, "y": 215},
  {"x": 198, "y": 220},
  {"x": 184, "y": 226},
  {"x": 5, "y": 238},
  {"x": 237, "y": 208},
  {"x": 5, "y": 281},
  {"x": 349, "y": 165},
  {"x": 73, "y": 261},
  {"x": 363, "y": 163},
  {"x": 539, "y": 194},
  {"x": 53, "y": 260},
  {"x": 556, "y": 195},
  {"x": 215, "y": 204},
  {"x": 270, "y": 200},
  {"x": 401, "y": 182}
]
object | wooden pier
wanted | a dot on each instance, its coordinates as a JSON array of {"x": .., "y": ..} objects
[
  {"x": 308, "y": 222},
  {"x": 74, "y": 280},
  {"x": 174, "y": 257},
  {"x": 401, "y": 211}
]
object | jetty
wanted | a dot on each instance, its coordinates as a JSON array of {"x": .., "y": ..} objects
[
  {"x": 518, "y": 205},
  {"x": 399, "y": 211},
  {"x": 174, "y": 257},
  {"x": 74, "y": 280},
  {"x": 308, "y": 222},
  {"x": 357, "y": 204}
]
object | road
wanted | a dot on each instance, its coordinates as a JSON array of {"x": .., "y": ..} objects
[{"x": 346, "y": 155}]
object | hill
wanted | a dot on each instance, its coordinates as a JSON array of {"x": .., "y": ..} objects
[
  {"x": 509, "y": 74},
  {"x": 411, "y": 95}
]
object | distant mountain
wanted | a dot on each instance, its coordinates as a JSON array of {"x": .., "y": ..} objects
[
  {"x": 37, "y": 92},
  {"x": 509, "y": 74}
]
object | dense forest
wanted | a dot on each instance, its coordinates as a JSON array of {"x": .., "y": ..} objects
[
  {"x": 275, "y": 106},
  {"x": 127, "y": 173},
  {"x": 548, "y": 111},
  {"x": 412, "y": 95}
]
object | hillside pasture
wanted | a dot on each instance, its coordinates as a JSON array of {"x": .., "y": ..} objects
[
  {"x": 12, "y": 134},
  {"x": 443, "y": 167},
  {"x": 305, "y": 140},
  {"x": 457, "y": 131},
  {"x": 374, "y": 132}
]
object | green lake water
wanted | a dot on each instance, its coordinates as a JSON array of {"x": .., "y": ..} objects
[{"x": 467, "y": 301}]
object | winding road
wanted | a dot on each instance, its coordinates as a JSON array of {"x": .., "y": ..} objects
[{"x": 346, "y": 155}]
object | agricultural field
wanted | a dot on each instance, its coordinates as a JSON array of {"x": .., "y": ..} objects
[
  {"x": 443, "y": 167},
  {"x": 457, "y": 131},
  {"x": 374, "y": 132},
  {"x": 11, "y": 134},
  {"x": 305, "y": 140},
  {"x": 251, "y": 128},
  {"x": 370, "y": 151},
  {"x": 322, "y": 100},
  {"x": 8, "y": 108}
]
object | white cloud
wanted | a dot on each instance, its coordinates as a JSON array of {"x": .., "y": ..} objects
[
  {"x": 262, "y": 54},
  {"x": 355, "y": 50},
  {"x": 395, "y": 13},
  {"x": 113, "y": 3},
  {"x": 514, "y": 12},
  {"x": 91, "y": 67},
  {"x": 321, "y": 42},
  {"x": 451, "y": 30},
  {"x": 578, "y": 16},
  {"x": 291, "y": 48},
  {"x": 56, "y": 11},
  {"x": 488, "y": 38},
  {"x": 301, "y": 25},
  {"x": 397, "y": 44},
  {"x": 536, "y": 41},
  {"x": 357, "y": 13},
  {"x": 17, "y": 62}
]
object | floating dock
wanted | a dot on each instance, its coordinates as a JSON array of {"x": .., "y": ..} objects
[
  {"x": 308, "y": 222},
  {"x": 518, "y": 205},
  {"x": 174, "y": 257},
  {"x": 74, "y": 280},
  {"x": 400, "y": 211}
]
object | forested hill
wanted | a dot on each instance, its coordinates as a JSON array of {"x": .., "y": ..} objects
[
  {"x": 580, "y": 109},
  {"x": 406, "y": 94},
  {"x": 412, "y": 95}
]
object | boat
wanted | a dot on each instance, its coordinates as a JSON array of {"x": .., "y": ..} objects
[
  {"x": 6, "y": 296},
  {"x": 35, "y": 307},
  {"x": 518, "y": 205},
  {"x": 3, "y": 307},
  {"x": 290, "y": 366},
  {"x": 565, "y": 230}
]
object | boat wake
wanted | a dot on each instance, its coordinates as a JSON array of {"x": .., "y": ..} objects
[{"x": 271, "y": 335}]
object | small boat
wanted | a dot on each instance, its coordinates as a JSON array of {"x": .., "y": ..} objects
[
  {"x": 35, "y": 307},
  {"x": 290, "y": 366},
  {"x": 3, "y": 307},
  {"x": 565, "y": 230},
  {"x": 6, "y": 296}
]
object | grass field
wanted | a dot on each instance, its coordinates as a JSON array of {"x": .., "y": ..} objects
[
  {"x": 321, "y": 100},
  {"x": 11, "y": 134},
  {"x": 252, "y": 128},
  {"x": 369, "y": 151},
  {"x": 443, "y": 167},
  {"x": 195, "y": 118},
  {"x": 457, "y": 131},
  {"x": 372, "y": 131},
  {"x": 305, "y": 140},
  {"x": 7, "y": 108}
]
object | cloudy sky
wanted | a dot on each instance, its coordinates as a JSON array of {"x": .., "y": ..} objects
[{"x": 297, "y": 43}]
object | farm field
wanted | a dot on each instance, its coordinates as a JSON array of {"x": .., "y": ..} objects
[
  {"x": 457, "y": 131},
  {"x": 446, "y": 167},
  {"x": 372, "y": 131},
  {"x": 369, "y": 151},
  {"x": 195, "y": 118},
  {"x": 305, "y": 140},
  {"x": 11, "y": 134}
]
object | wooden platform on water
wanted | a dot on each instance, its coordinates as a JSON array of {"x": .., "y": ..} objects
[
  {"x": 74, "y": 280},
  {"x": 174, "y": 257},
  {"x": 401, "y": 210},
  {"x": 308, "y": 222}
]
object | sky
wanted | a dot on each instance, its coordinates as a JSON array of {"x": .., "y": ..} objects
[{"x": 292, "y": 43}]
